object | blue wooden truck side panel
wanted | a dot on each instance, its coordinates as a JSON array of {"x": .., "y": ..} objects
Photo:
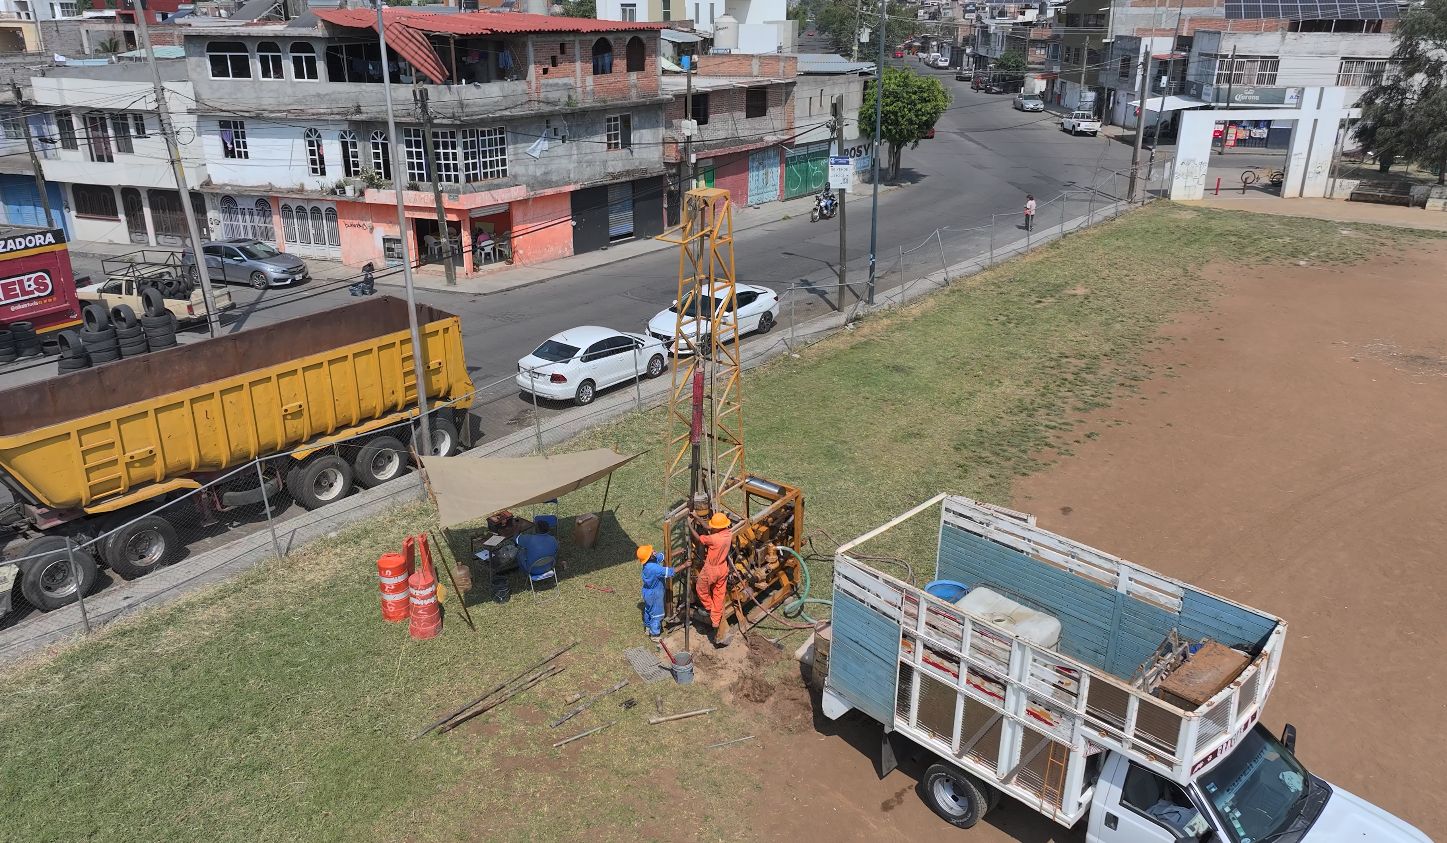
[{"x": 864, "y": 657}]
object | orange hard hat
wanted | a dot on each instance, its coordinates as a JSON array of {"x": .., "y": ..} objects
[
  {"x": 645, "y": 551},
  {"x": 719, "y": 521}
]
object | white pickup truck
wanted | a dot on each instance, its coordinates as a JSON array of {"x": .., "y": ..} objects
[
  {"x": 1080, "y": 122},
  {"x": 1084, "y": 686}
]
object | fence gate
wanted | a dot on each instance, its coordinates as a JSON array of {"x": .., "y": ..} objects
[
  {"x": 806, "y": 170},
  {"x": 620, "y": 210},
  {"x": 763, "y": 176}
]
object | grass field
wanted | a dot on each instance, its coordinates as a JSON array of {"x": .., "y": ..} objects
[{"x": 280, "y": 706}]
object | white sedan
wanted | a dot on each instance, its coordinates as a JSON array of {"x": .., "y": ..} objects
[
  {"x": 756, "y": 309},
  {"x": 575, "y": 364}
]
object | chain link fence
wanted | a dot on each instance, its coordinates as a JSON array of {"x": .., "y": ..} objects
[{"x": 69, "y": 561}]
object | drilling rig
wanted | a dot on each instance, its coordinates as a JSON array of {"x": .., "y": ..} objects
[{"x": 705, "y": 471}]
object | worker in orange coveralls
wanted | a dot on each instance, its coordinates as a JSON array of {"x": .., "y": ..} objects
[{"x": 712, "y": 583}]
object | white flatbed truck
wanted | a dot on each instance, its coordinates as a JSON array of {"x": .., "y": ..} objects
[{"x": 1084, "y": 686}]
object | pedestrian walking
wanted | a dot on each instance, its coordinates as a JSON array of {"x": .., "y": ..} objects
[{"x": 1029, "y": 212}]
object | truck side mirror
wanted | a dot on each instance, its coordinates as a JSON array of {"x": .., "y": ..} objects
[{"x": 1288, "y": 737}]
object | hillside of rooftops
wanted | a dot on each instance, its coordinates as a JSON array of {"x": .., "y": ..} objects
[{"x": 472, "y": 64}]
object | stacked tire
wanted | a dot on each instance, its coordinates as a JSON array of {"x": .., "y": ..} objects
[
  {"x": 159, "y": 324},
  {"x": 26, "y": 343},
  {"x": 73, "y": 354},
  {"x": 130, "y": 336},
  {"x": 98, "y": 335},
  {"x": 8, "y": 354}
]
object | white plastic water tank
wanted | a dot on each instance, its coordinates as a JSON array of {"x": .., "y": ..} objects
[{"x": 726, "y": 32}]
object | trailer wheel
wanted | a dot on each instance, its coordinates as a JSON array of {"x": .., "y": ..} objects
[
  {"x": 379, "y": 460},
  {"x": 48, "y": 581},
  {"x": 324, "y": 480},
  {"x": 957, "y": 798},
  {"x": 141, "y": 546}
]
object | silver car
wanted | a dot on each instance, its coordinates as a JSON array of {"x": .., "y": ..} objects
[
  {"x": 252, "y": 262},
  {"x": 1029, "y": 102}
]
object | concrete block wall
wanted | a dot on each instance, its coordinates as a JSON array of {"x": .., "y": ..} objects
[
  {"x": 567, "y": 60},
  {"x": 770, "y": 66}
]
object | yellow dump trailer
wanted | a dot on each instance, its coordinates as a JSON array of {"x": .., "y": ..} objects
[{"x": 95, "y": 449}]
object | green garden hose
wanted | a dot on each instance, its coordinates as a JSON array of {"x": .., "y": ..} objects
[{"x": 795, "y": 609}]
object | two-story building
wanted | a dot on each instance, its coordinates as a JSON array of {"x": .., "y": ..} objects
[{"x": 547, "y": 132}]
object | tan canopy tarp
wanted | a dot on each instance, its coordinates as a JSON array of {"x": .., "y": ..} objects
[{"x": 472, "y": 489}]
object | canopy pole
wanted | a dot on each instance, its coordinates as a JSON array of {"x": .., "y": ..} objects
[{"x": 606, "y": 486}]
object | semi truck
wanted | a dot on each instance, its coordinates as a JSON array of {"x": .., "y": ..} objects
[
  {"x": 1086, "y": 687},
  {"x": 99, "y": 453}
]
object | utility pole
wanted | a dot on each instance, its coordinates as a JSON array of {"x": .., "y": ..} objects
[
  {"x": 419, "y": 96},
  {"x": 878, "y": 149},
  {"x": 837, "y": 110},
  {"x": 1140, "y": 120},
  {"x": 1165, "y": 87},
  {"x": 399, "y": 170},
  {"x": 689, "y": 165},
  {"x": 858, "y": 22},
  {"x": 178, "y": 169},
  {"x": 34, "y": 159},
  {"x": 1230, "y": 89}
]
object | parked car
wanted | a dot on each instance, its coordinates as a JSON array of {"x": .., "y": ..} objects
[
  {"x": 899, "y": 54},
  {"x": 757, "y": 310},
  {"x": 1081, "y": 122},
  {"x": 251, "y": 262},
  {"x": 1029, "y": 102},
  {"x": 575, "y": 364}
]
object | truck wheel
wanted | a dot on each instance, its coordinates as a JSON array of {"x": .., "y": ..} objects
[
  {"x": 141, "y": 546},
  {"x": 444, "y": 435},
  {"x": 48, "y": 582},
  {"x": 380, "y": 460},
  {"x": 322, "y": 481},
  {"x": 954, "y": 796}
]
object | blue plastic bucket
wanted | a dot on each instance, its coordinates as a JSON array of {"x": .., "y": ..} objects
[{"x": 947, "y": 590}]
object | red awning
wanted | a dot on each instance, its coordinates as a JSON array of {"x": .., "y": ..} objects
[{"x": 407, "y": 30}]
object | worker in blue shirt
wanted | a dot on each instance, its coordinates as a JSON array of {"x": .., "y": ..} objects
[
  {"x": 654, "y": 573},
  {"x": 535, "y": 546}
]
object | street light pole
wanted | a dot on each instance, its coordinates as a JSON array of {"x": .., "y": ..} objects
[
  {"x": 1170, "y": 63},
  {"x": 878, "y": 148},
  {"x": 1140, "y": 121},
  {"x": 399, "y": 169}
]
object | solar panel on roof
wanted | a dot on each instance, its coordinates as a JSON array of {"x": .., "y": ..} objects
[{"x": 1311, "y": 9}]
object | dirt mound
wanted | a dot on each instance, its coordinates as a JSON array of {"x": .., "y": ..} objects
[{"x": 752, "y": 687}]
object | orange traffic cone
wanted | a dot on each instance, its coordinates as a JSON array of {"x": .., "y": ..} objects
[
  {"x": 426, "y": 614},
  {"x": 392, "y": 572}
]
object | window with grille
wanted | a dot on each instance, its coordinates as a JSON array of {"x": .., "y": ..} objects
[
  {"x": 492, "y": 152},
  {"x": 1361, "y": 73},
  {"x": 268, "y": 56},
  {"x": 756, "y": 102},
  {"x": 94, "y": 200},
  {"x": 382, "y": 154},
  {"x": 288, "y": 224},
  {"x": 351, "y": 154},
  {"x": 1124, "y": 70},
  {"x": 138, "y": 121},
  {"x": 619, "y": 129},
  {"x": 1246, "y": 70},
  {"x": 121, "y": 124},
  {"x": 98, "y": 137},
  {"x": 445, "y": 152},
  {"x": 303, "y": 62},
  {"x": 228, "y": 60},
  {"x": 65, "y": 127},
  {"x": 471, "y": 156},
  {"x": 316, "y": 159},
  {"x": 415, "y": 154},
  {"x": 12, "y": 128},
  {"x": 233, "y": 139}
]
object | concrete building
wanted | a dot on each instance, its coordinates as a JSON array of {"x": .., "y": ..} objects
[
  {"x": 743, "y": 26},
  {"x": 548, "y": 133},
  {"x": 106, "y": 151},
  {"x": 1014, "y": 28},
  {"x": 820, "y": 79}
]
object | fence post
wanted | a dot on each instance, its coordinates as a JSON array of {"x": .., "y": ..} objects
[
  {"x": 637, "y": 382},
  {"x": 944, "y": 262},
  {"x": 79, "y": 584},
  {"x": 992, "y": 239},
  {"x": 266, "y": 505},
  {"x": 793, "y": 317},
  {"x": 1062, "y": 216},
  {"x": 537, "y": 416}
]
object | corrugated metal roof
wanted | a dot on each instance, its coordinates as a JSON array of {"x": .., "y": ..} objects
[
  {"x": 828, "y": 63},
  {"x": 407, "y": 30}
]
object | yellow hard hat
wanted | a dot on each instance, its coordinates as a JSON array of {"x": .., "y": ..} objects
[
  {"x": 644, "y": 552},
  {"x": 719, "y": 521}
]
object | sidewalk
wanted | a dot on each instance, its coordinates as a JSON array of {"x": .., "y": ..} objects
[
  {"x": 1337, "y": 210},
  {"x": 499, "y": 278}
]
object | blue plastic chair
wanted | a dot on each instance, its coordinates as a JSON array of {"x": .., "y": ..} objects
[{"x": 550, "y": 574}]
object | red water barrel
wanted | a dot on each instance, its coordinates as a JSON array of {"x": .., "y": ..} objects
[{"x": 393, "y": 569}]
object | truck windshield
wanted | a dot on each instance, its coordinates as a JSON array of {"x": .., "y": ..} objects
[{"x": 1258, "y": 790}]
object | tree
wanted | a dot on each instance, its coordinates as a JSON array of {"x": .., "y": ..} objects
[
  {"x": 1404, "y": 114},
  {"x": 580, "y": 8},
  {"x": 1012, "y": 66},
  {"x": 843, "y": 21},
  {"x": 912, "y": 104}
]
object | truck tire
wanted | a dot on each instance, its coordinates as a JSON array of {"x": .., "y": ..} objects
[
  {"x": 444, "y": 434},
  {"x": 103, "y": 338},
  {"x": 955, "y": 796},
  {"x": 324, "y": 480},
  {"x": 7, "y": 339},
  {"x": 95, "y": 318},
  {"x": 47, "y": 582},
  {"x": 142, "y": 546},
  {"x": 154, "y": 302},
  {"x": 379, "y": 460}
]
